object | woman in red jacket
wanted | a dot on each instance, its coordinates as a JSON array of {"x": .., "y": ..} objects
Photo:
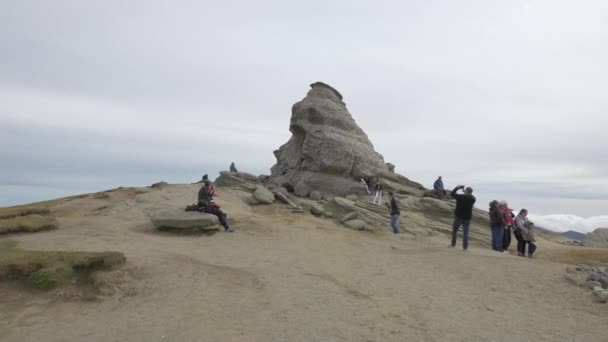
[{"x": 509, "y": 221}]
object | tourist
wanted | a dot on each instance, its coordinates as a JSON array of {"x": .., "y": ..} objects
[
  {"x": 233, "y": 167},
  {"x": 378, "y": 197},
  {"x": 531, "y": 240},
  {"x": 205, "y": 203},
  {"x": 497, "y": 223},
  {"x": 395, "y": 212},
  {"x": 521, "y": 232},
  {"x": 509, "y": 220},
  {"x": 462, "y": 214},
  {"x": 438, "y": 187},
  {"x": 364, "y": 182}
]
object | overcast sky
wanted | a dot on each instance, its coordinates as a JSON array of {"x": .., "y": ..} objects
[{"x": 509, "y": 97}]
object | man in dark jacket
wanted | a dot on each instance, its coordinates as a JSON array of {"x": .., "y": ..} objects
[
  {"x": 204, "y": 202},
  {"x": 395, "y": 212},
  {"x": 462, "y": 214}
]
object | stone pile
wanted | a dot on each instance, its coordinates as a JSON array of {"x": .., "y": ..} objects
[{"x": 594, "y": 278}]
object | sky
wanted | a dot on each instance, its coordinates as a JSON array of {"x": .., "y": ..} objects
[{"x": 508, "y": 97}]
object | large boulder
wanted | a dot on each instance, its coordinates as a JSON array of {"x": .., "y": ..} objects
[
  {"x": 326, "y": 144},
  {"x": 281, "y": 194},
  {"x": 341, "y": 206},
  {"x": 178, "y": 219},
  {"x": 238, "y": 180},
  {"x": 263, "y": 195}
]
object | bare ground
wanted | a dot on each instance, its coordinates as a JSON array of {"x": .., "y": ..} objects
[{"x": 289, "y": 277}]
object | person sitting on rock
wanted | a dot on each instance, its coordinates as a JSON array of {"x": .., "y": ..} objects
[
  {"x": 378, "y": 197},
  {"x": 205, "y": 199},
  {"x": 233, "y": 167},
  {"x": 438, "y": 187}
]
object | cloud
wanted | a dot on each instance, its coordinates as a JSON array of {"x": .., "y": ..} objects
[{"x": 562, "y": 223}]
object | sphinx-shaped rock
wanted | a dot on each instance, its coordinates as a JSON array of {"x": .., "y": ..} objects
[{"x": 328, "y": 151}]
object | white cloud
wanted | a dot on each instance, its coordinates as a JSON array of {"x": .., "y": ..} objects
[{"x": 562, "y": 223}]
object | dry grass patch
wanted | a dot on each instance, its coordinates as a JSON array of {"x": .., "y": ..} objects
[
  {"x": 26, "y": 219},
  {"x": 27, "y": 224},
  {"x": 575, "y": 255},
  {"x": 49, "y": 269}
]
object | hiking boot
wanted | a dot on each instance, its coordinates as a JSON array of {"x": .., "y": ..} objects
[{"x": 229, "y": 230}]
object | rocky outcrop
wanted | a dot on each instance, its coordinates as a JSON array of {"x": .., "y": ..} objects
[
  {"x": 238, "y": 180},
  {"x": 328, "y": 152},
  {"x": 594, "y": 278}
]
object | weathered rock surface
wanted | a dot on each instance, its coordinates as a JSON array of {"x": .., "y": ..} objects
[
  {"x": 316, "y": 195},
  {"x": 355, "y": 224},
  {"x": 317, "y": 209},
  {"x": 238, "y": 180},
  {"x": 328, "y": 151},
  {"x": 281, "y": 195},
  {"x": 263, "y": 195},
  {"x": 177, "y": 218}
]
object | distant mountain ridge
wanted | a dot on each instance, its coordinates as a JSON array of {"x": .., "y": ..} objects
[{"x": 571, "y": 234}]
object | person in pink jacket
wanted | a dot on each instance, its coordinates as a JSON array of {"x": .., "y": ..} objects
[{"x": 509, "y": 221}]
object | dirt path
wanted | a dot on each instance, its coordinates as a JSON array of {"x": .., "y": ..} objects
[{"x": 295, "y": 278}]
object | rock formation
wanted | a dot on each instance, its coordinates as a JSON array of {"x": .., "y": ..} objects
[{"x": 328, "y": 152}]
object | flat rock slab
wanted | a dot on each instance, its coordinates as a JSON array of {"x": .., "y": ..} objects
[{"x": 177, "y": 218}]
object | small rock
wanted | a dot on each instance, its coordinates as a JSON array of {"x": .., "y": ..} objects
[
  {"x": 317, "y": 209},
  {"x": 593, "y": 284},
  {"x": 571, "y": 269},
  {"x": 604, "y": 281},
  {"x": 350, "y": 216},
  {"x": 159, "y": 185},
  {"x": 593, "y": 276},
  {"x": 573, "y": 279},
  {"x": 352, "y": 197},
  {"x": 355, "y": 224},
  {"x": 585, "y": 267},
  {"x": 328, "y": 197},
  {"x": 329, "y": 214},
  {"x": 601, "y": 295},
  {"x": 316, "y": 195}
]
